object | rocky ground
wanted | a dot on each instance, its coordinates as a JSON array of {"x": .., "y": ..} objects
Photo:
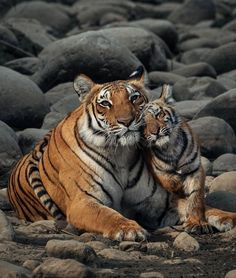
[{"x": 43, "y": 46}]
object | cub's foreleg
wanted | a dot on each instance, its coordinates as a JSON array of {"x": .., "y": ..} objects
[{"x": 195, "y": 208}]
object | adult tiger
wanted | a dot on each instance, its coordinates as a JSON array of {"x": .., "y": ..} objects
[
  {"x": 174, "y": 159},
  {"x": 82, "y": 168}
]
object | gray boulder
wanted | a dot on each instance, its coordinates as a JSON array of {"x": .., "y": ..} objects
[
  {"x": 194, "y": 56},
  {"x": 31, "y": 35},
  {"x": 59, "y": 92},
  {"x": 69, "y": 268},
  {"x": 27, "y": 65},
  {"x": 222, "y": 200},
  {"x": 52, "y": 119},
  {"x": 216, "y": 136},
  {"x": 66, "y": 104},
  {"x": 10, "y": 152},
  {"x": 11, "y": 270},
  {"x": 197, "y": 88},
  {"x": 158, "y": 78},
  {"x": 189, "y": 108},
  {"x": 224, "y": 163},
  {"x": 196, "y": 69},
  {"x": 162, "y": 28},
  {"x": 193, "y": 11},
  {"x": 222, "y": 58},
  {"x": 198, "y": 43},
  {"x": 48, "y": 14},
  {"x": 29, "y": 137},
  {"x": 90, "y": 53},
  {"x": 223, "y": 106},
  {"x": 224, "y": 182},
  {"x": 22, "y": 103}
]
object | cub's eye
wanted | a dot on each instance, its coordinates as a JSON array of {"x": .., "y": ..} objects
[
  {"x": 105, "y": 103},
  {"x": 134, "y": 97}
]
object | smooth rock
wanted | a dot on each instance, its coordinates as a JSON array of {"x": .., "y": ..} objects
[
  {"x": 189, "y": 108},
  {"x": 193, "y": 11},
  {"x": 222, "y": 58},
  {"x": 224, "y": 163},
  {"x": 69, "y": 268},
  {"x": 223, "y": 106},
  {"x": 185, "y": 242},
  {"x": 10, "y": 152},
  {"x": 197, "y": 88},
  {"x": 31, "y": 34},
  {"x": 27, "y": 65},
  {"x": 13, "y": 271},
  {"x": 51, "y": 120},
  {"x": 6, "y": 229},
  {"x": 158, "y": 78},
  {"x": 70, "y": 249},
  {"x": 31, "y": 264},
  {"x": 154, "y": 248},
  {"x": 222, "y": 200},
  {"x": 231, "y": 274},
  {"x": 97, "y": 245},
  {"x": 29, "y": 137},
  {"x": 4, "y": 201},
  {"x": 48, "y": 14},
  {"x": 132, "y": 246},
  {"x": 162, "y": 28},
  {"x": 66, "y": 104},
  {"x": 227, "y": 82},
  {"x": 197, "y": 69},
  {"x": 64, "y": 59},
  {"x": 153, "y": 274},
  {"x": 25, "y": 102},
  {"x": 224, "y": 182},
  {"x": 198, "y": 43},
  {"x": 113, "y": 254},
  {"x": 59, "y": 92},
  {"x": 194, "y": 56},
  {"x": 216, "y": 136}
]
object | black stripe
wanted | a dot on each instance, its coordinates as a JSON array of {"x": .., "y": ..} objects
[
  {"x": 32, "y": 169},
  {"x": 35, "y": 180},
  {"x": 76, "y": 134},
  {"x": 41, "y": 193},
  {"x": 90, "y": 195},
  {"x": 184, "y": 139},
  {"x": 95, "y": 116},
  {"x": 35, "y": 186},
  {"x": 133, "y": 182}
]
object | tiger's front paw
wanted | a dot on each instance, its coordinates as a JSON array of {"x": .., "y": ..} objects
[
  {"x": 221, "y": 223},
  {"x": 197, "y": 227},
  {"x": 127, "y": 230}
]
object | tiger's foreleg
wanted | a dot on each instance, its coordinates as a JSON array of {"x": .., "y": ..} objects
[
  {"x": 86, "y": 213},
  {"x": 195, "y": 208}
]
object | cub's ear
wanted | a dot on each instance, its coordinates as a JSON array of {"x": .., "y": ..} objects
[
  {"x": 166, "y": 94},
  {"x": 82, "y": 85},
  {"x": 137, "y": 76}
]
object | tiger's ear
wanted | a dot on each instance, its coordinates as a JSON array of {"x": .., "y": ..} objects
[
  {"x": 166, "y": 94},
  {"x": 82, "y": 85},
  {"x": 137, "y": 77}
]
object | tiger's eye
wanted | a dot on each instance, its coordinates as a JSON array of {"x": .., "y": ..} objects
[
  {"x": 105, "y": 103},
  {"x": 134, "y": 97}
]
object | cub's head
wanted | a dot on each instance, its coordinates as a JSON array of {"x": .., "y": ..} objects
[
  {"x": 113, "y": 112},
  {"x": 161, "y": 120}
]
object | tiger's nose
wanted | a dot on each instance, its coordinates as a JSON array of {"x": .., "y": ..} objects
[{"x": 125, "y": 121}]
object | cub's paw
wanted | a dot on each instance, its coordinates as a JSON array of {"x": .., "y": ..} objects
[
  {"x": 197, "y": 227},
  {"x": 221, "y": 223},
  {"x": 128, "y": 230}
]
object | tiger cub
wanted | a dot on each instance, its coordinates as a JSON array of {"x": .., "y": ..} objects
[
  {"x": 174, "y": 159},
  {"x": 82, "y": 167}
]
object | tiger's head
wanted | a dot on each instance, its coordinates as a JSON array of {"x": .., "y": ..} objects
[
  {"x": 113, "y": 112},
  {"x": 161, "y": 120}
]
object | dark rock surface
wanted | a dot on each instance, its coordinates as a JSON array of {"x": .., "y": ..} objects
[{"x": 25, "y": 102}]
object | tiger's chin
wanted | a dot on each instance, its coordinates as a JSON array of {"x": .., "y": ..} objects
[
  {"x": 162, "y": 141},
  {"x": 129, "y": 138}
]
